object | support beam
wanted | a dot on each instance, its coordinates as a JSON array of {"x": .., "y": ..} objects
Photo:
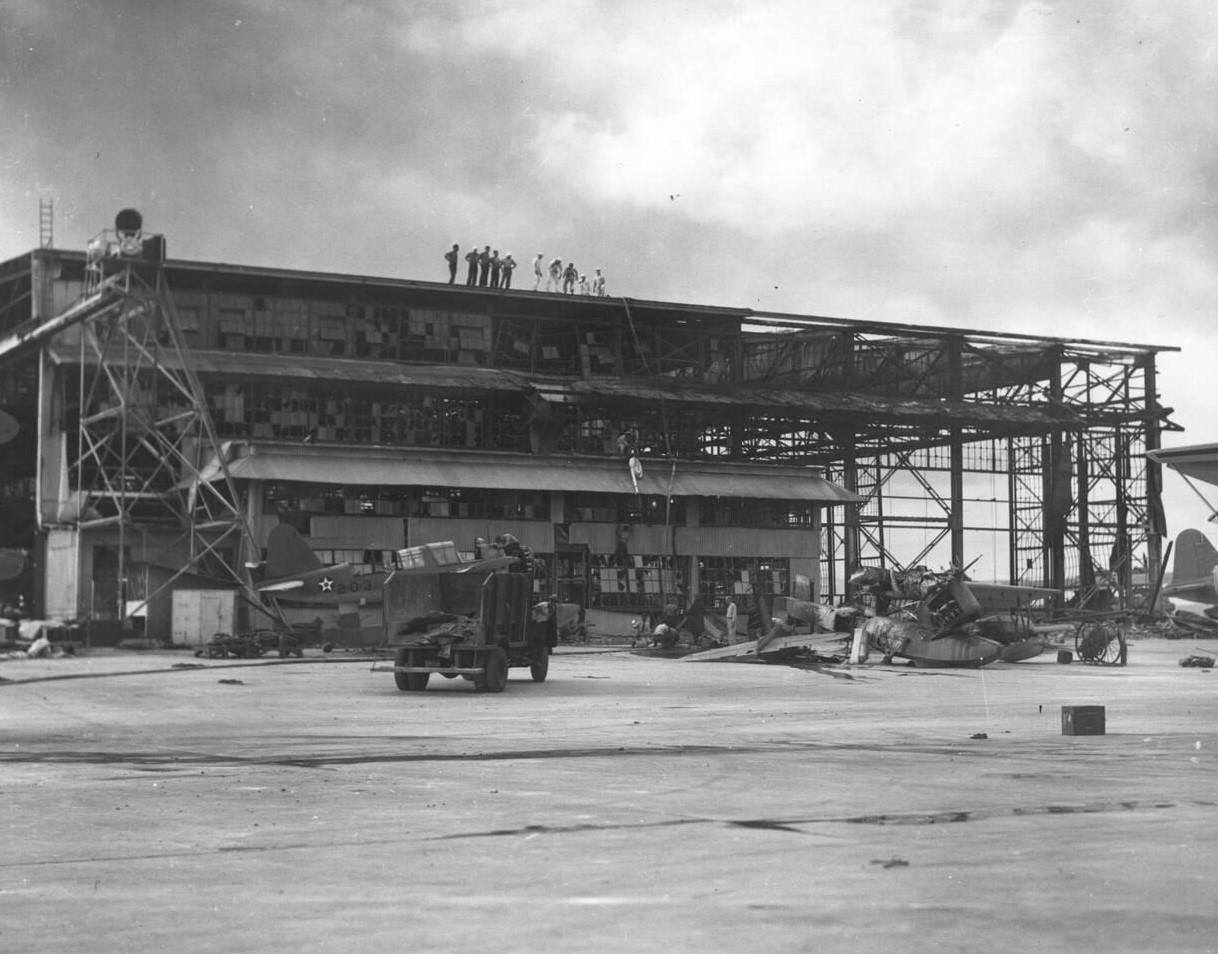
[{"x": 956, "y": 504}]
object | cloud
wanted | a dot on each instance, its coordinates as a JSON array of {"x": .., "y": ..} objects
[{"x": 1040, "y": 167}]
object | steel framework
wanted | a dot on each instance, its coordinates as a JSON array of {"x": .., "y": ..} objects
[{"x": 144, "y": 431}]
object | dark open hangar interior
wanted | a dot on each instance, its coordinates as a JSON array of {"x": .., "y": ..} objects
[{"x": 772, "y": 446}]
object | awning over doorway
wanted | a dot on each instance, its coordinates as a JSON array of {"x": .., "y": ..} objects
[{"x": 372, "y": 466}]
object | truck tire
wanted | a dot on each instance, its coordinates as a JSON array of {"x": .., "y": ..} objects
[
  {"x": 539, "y": 665},
  {"x": 495, "y": 677},
  {"x": 409, "y": 681}
]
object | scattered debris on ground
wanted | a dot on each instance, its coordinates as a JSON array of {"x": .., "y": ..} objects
[
  {"x": 251, "y": 645},
  {"x": 789, "y": 648},
  {"x": 1198, "y": 661}
]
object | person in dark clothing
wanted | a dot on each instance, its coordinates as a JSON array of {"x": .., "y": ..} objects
[
  {"x": 484, "y": 266},
  {"x": 508, "y": 264},
  {"x": 472, "y": 258},
  {"x": 451, "y": 257},
  {"x": 495, "y": 264}
]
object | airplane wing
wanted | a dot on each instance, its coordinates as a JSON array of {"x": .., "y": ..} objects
[
  {"x": 280, "y": 586},
  {"x": 1002, "y": 597},
  {"x": 1199, "y": 461},
  {"x": 325, "y": 577}
]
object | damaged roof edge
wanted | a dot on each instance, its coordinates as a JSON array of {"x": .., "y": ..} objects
[
  {"x": 743, "y": 315},
  {"x": 463, "y": 378}
]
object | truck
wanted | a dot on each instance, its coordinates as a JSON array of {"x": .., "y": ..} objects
[{"x": 473, "y": 619}]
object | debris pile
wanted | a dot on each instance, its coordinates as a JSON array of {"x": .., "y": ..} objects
[
  {"x": 251, "y": 645},
  {"x": 35, "y": 638},
  {"x": 926, "y": 618}
]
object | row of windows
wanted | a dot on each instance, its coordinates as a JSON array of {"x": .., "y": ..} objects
[
  {"x": 389, "y": 332},
  {"x": 465, "y": 502},
  {"x": 343, "y": 414}
]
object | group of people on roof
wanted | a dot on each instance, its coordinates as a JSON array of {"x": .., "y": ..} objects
[
  {"x": 487, "y": 270},
  {"x": 567, "y": 279}
]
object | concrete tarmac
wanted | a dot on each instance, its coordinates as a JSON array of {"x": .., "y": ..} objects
[{"x": 627, "y": 804}]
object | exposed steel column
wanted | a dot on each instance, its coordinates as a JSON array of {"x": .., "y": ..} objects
[{"x": 955, "y": 516}]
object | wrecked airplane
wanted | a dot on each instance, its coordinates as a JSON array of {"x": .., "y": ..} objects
[
  {"x": 928, "y": 619},
  {"x": 945, "y": 619}
]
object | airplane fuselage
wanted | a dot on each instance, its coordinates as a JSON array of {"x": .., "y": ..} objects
[{"x": 336, "y": 585}]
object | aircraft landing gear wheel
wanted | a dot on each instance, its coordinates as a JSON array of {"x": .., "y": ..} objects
[
  {"x": 1101, "y": 644},
  {"x": 495, "y": 677},
  {"x": 539, "y": 665},
  {"x": 409, "y": 681}
]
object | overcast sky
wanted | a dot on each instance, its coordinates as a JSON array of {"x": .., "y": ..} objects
[{"x": 1040, "y": 167}]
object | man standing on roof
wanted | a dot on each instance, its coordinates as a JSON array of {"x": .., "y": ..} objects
[
  {"x": 471, "y": 257},
  {"x": 555, "y": 275},
  {"x": 495, "y": 264},
  {"x": 484, "y": 266},
  {"x": 538, "y": 272},
  {"x": 568, "y": 278},
  {"x": 451, "y": 257},
  {"x": 508, "y": 264},
  {"x": 598, "y": 285}
]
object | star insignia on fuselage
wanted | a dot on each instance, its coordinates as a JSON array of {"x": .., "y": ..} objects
[{"x": 326, "y": 584}]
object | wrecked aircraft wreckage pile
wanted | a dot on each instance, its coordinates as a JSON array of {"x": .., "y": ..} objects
[{"x": 930, "y": 619}]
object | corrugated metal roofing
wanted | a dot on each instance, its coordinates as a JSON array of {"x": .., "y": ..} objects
[{"x": 491, "y": 470}]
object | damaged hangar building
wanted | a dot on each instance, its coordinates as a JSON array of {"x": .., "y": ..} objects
[{"x": 171, "y": 413}]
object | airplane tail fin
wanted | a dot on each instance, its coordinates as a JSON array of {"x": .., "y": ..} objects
[
  {"x": 1195, "y": 557},
  {"x": 288, "y": 553}
]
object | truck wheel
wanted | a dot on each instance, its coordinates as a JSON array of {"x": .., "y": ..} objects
[
  {"x": 495, "y": 677},
  {"x": 539, "y": 665},
  {"x": 410, "y": 681},
  {"x": 401, "y": 678}
]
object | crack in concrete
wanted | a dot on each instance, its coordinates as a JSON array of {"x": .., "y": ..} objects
[
  {"x": 792, "y": 825},
  {"x": 150, "y": 762}
]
